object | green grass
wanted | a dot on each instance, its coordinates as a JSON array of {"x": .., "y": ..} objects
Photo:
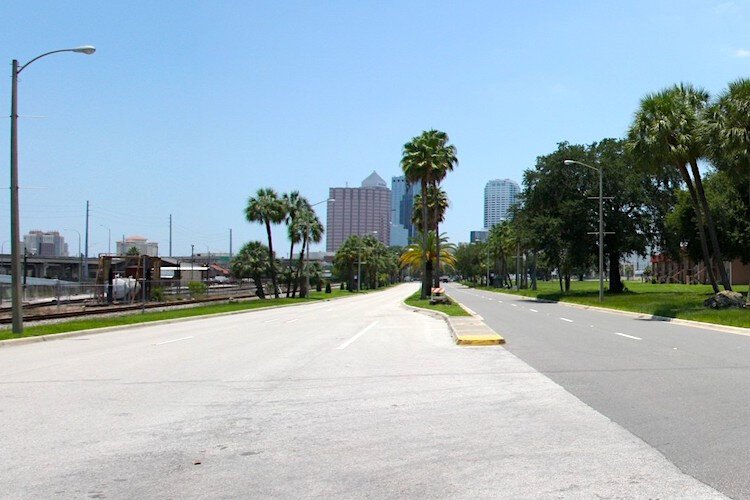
[
  {"x": 135, "y": 318},
  {"x": 452, "y": 309},
  {"x": 669, "y": 300}
]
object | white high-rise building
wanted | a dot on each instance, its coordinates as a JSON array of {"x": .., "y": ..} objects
[{"x": 499, "y": 197}]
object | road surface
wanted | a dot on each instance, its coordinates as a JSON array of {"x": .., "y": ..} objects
[
  {"x": 353, "y": 398},
  {"x": 683, "y": 390}
]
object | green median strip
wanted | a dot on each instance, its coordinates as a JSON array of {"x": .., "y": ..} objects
[
  {"x": 667, "y": 300},
  {"x": 135, "y": 318},
  {"x": 451, "y": 309}
]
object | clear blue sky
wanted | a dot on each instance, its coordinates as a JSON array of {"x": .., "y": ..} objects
[{"x": 189, "y": 107}]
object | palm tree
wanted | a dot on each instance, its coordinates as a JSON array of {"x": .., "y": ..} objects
[
  {"x": 250, "y": 262},
  {"x": 267, "y": 208},
  {"x": 311, "y": 229},
  {"x": 294, "y": 204},
  {"x": 728, "y": 125},
  {"x": 437, "y": 204},
  {"x": 668, "y": 130},
  {"x": 414, "y": 255},
  {"x": 426, "y": 159}
]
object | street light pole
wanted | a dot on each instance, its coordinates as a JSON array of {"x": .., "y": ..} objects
[
  {"x": 601, "y": 224},
  {"x": 15, "y": 266}
]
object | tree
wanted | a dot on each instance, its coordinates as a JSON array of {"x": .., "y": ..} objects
[
  {"x": 377, "y": 262},
  {"x": 668, "y": 130},
  {"x": 437, "y": 204},
  {"x": 415, "y": 256},
  {"x": 726, "y": 204},
  {"x": 267, "y": 208},
  {"x": 133, "y": 251},
  {"x": 728, "y": 125},
  {"x": 471, "y": 261},
  {"x": 426, "y": 159},
  {"x": 310, "y": 229},
  {"x": 557, "y": 213},
  {"x": 294, "y": 205},
  {"x": 251, "y": 263}
]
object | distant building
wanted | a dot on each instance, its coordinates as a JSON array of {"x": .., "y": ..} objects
[
  {"x": 45, "y": 244},
  {"x": 359, "y": 211},
  {"x": 478, "y": 236},
  {"x": 402, "y": 206},
  {"x": 144, "y": 247},
  {"x": 499, "y": 197}
]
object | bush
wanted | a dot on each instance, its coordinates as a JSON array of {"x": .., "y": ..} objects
[
  {"x": 157, "y": 294},
  {"x": 328, "y": 287},
  {"x": 197, "y": 289}
]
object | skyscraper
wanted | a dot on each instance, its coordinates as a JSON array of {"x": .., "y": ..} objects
[
  {"x": 45, "y": 244},
  {"x": 359, "y": 211},
  {"x": 402, "y": 205},
  {"x": 499, "y": 197}
]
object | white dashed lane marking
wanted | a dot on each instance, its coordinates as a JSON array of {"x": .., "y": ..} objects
[{"x": 628, "y": 336}]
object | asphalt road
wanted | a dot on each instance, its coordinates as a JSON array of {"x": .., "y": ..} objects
[
  {"x": 354, "y": 398},
  {"x": 683, "y": 390}
]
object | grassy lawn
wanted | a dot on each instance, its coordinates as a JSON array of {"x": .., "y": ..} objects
[
  {"x": 672, "y": 300},
  {"x": 449, "y": 309},
  {"x": 134, "y": 318}
]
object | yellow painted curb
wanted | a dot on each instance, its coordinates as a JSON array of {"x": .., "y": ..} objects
[{"x": 481, "y": 339}]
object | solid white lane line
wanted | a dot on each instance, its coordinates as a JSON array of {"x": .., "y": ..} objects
[
  {"x": 346, "y": 344},
  {"x": 173, "y": 340},
  {"x": 292, "y": 320},
  {"x": 566, "y": 319},
  {"x": 533, "y": 310},
  {"x": 628, "y": 336},
  {"x": 514, "y": 305}
]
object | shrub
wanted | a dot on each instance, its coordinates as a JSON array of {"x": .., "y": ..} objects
[
  {"x": 157, "y": 294},
  {"x": 328, "y": 287},
  {"x": 197, "y": 289}
]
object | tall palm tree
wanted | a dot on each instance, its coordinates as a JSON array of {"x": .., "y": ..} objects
[
  {"x": 311, "y": 229},
  {"x": 267, "y": 208},
  {"x": 728, "y": 125},
  {"x": 294, "y": 205},
  {"x": 426, "y": 160},
  {"x": 668, "y": 131}
]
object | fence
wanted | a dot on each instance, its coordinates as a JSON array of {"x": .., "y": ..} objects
[{"x": 61, "y": 292}]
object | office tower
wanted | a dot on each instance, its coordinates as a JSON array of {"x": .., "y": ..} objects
[
  {"x": 402, "y": 207},
  {"x": 499, "y": 197},
  {"x": 361, "y": 211}
]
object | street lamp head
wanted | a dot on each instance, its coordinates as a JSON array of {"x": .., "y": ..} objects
[
  {"x": 85, "y": 49},
  {"x": 568, "y": 162}
]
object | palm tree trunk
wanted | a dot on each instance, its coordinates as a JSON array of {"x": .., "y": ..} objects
[
  {"x": 300, "y": 263},
  {"x": 427, "y": 277},
  {"x": 271, "y": 266},
  {"x": 711, "y": 226},
  {"x": 436, "y": 281},
  {"x": 289, "y": 282},
  {"x": 699, "y": 223}
]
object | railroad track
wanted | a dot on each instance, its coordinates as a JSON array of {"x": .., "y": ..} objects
[{"x": 124, "y": 308}]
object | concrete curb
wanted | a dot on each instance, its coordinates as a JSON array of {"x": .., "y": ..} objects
[
  {"x": 479, "y": 333},
  {"x": 93, "y": 331},
  {"x": 686, "y": 322}
]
